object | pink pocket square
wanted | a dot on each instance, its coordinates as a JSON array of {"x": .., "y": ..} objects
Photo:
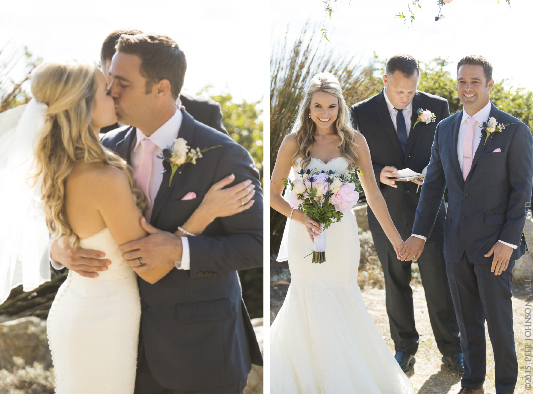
[
  {"x": 189, "y": 196},
  {"x": 496, "y": 150}
]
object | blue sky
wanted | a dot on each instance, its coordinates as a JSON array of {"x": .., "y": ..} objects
[
  {"x": 225, "y": 41},
  {"x": 501, "y": 33}
]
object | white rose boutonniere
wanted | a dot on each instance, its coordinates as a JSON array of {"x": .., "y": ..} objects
[
  {"x": 425, "y": 116},
  {"x": 491, "y": 126},
  {"x": 180, "y": 153}
]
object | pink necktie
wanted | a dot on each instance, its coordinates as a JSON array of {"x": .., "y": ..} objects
[
  {"x": 468, "y": 153},
  {"x": 144, "y": 173}
]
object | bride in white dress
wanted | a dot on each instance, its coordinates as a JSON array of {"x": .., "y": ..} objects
[
  {"x": 323, "y": 340},
  {"x": 90, "y": 201}
]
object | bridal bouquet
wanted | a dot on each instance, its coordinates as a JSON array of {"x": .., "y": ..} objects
[{"x": 323, "y": 196}]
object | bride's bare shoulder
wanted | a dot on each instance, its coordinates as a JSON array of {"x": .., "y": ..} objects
[
  {"x": 289, "y": 145},
  {"x": 96, "y": 179}
]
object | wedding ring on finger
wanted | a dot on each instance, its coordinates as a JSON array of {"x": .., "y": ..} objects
[
  {"x": 241, "y": 202},
  {"x": 140, "y": 261}
]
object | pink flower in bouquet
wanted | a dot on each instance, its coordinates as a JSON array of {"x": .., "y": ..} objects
[
  {"x": 446, "y": 2},
  {"x": 345, "y": 198},
  {"x": 294, "y": 202}
]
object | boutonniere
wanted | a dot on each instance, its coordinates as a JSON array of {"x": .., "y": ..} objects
[
  {"x": 490, "y": 126},
  {"x": 425, "y": 116},
  {"x": 180, "y": 153}
]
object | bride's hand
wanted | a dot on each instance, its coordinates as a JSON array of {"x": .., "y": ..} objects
[
  {"x": 220, "y": 202},
  {"x": 313, "y": 228}
]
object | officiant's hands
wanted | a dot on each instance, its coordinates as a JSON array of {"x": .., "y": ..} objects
[
  {"x": 502, "y": 254},
  {"x": 85, "y": 262},
  {"x": 158, "y": 249},
  {"x": 386, "y": 173},
  {"x": 411, "y": 249}
]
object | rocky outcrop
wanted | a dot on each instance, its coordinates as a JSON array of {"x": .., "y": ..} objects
[{"x": 24, "y": 338}]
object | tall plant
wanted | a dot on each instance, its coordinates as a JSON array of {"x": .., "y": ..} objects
[{"x": 292, "y": 65}]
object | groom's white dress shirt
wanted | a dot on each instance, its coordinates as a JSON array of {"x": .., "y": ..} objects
[
  {"x": 481, "y": 116},
  {"x": 162, "y": 138}
]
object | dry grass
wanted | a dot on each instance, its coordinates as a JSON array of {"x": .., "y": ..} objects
[
  {"x": 430, "y": 376},
  {"x": 25, "y": 379}
]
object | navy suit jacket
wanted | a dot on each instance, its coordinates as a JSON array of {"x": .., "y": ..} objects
[
  {"x": 195, "y": 329},
  {"x": 372, "y": 119},
  {"x": 491, "y": 204}
]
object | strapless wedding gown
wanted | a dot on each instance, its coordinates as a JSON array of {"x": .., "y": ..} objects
[
  {"x": 93, "y": 327},
  {"x": 323, "y": 340}
]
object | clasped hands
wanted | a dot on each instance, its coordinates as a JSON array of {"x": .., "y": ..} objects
[{"x": 411, "y": 250}]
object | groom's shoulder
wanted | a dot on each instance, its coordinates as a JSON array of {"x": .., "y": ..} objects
[
  {"x": 112, "y": 137},
  {"x": 509, "y": 119}
]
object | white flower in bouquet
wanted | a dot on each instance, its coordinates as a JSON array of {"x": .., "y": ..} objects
[
  {"x": 298, "y": 186},
  {"x": 335, "y": 185}
]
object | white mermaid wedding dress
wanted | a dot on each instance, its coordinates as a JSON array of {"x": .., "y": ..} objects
[
  {"x": 93, "y": 326},
  {"x": 323, "y": 340}
]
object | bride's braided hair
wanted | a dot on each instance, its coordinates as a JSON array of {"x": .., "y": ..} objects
[
  {"x": 306, "y": 129},
  {"x": 68, "y": 88}
]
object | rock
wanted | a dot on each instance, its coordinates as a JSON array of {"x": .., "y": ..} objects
[
  {"x": 522, "y": 268},
  {"x": 24, "y": 338},
  {"x": 255, "y": 377},
  {"x": 361, "y": 216}
]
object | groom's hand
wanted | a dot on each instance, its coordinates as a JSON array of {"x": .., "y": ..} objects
[
  {"x": 158, "y": 249},
  {"x": 502, "y": 255},
  {"x": 85, "y": 262},
  {"x": 412, "y": 249}
]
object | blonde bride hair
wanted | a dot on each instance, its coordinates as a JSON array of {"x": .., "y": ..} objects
[
  {"x": 306, "y": 129},
  {"x": 68, "y": 88}
]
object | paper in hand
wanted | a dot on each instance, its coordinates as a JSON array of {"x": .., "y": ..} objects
[{"x": 407, "y": 174}]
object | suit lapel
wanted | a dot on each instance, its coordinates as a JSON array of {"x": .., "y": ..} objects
[
  {"x": 386, "y": 121},
  {"x": 494, "y": 112},
  {"x": 186, "y": 132},
  {"x": 413, "y": 132},
  {"x": 453, "y": 143},
  {"x": 124, "y": 147}
]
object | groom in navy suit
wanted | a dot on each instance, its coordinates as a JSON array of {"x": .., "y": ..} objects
[{"x": 488, "y": 175}]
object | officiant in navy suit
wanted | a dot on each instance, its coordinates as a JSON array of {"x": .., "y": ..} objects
[
  {"x": 484, "y": 157},
  {"x": 397, "y": 140}
]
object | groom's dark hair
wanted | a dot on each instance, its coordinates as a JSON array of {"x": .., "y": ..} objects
[
  {"x": 161, "y": 58},
  {"x": 406, "y": 64},
  {"x": 110, "y": 42},
  {"x": 477, "y": 60}
]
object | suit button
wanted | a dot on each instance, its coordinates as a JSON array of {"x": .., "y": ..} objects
[
  {"x": 464, "y": 216},
  {"x": 465, "y": 195},
  {"x": 407, "y": 191},
  {"x": 143, "y": 306}
]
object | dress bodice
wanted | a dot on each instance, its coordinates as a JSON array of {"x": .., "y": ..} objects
[{"x": 338, "y": 164}]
